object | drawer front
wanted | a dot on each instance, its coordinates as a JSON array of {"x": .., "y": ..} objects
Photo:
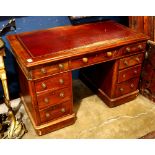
[
  {"x": 93, "y": 59},
  {"x": 56, "y": 111},
  {"x": 139, "y": 47},
  {"x": 126, "y": 87},
  {"x": 54, "y": 82},
  {"x": 131, "y": 61},
  {"x": 129, "y": 73},
  {"x": 49, "y": 70},
  {"x": 50, "y": 98}
]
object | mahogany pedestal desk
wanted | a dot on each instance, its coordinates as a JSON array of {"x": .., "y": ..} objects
[{"x": 113, "y": 52}]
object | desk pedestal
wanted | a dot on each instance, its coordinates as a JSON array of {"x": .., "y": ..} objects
[{"x": 104, "y": 79}]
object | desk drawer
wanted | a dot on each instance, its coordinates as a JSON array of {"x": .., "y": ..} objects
[
  {"x": 131, "y": 61},
  {"x": 129, "y": 73},
  {"x": 50, "y": 98},
  {"x": 55, "y": 111},
  {"x": 87, "y": 60},
  {"x": 46, "y": 70},
  {"x": 54, "y": 82},
  {"x": 139, "y": 47},
  {"x": 126, "y": 87}
]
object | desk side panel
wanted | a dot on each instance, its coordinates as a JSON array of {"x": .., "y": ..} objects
[{"x": 27, "y": 93}]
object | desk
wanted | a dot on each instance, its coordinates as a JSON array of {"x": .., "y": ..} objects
[{"x": 46, "y": 59}]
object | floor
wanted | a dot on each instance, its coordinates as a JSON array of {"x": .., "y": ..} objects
[{"x": 97, "y": 121}]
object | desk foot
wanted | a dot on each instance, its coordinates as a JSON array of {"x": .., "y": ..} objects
[
  {"x": 55, "y": 125},
  {"x": 119, "y": 100}
]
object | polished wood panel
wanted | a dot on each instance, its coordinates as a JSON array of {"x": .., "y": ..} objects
[{"x": 143, "y": 24}]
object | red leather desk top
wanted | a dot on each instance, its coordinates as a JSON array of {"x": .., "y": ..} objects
[
  {"x": 64, "y": 42},
  {"x": 53, "y": 40}
]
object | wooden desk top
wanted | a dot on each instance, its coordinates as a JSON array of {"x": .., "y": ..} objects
[{"x": 39, "y": 47}]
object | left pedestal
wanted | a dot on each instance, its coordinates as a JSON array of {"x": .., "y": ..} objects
[{"x": 48, "y": 101}]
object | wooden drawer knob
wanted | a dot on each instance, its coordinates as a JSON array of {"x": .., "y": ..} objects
[
  {"x": 85, "y": 60},
  {"x": 135, "y": 71},
  {"x": 140, "y": 47},
  {"x": 121, "y": 89},
  {"x": 146, "y": 55},
  {"x": 61, "y": 94},
  {"x": 61, "y": 81},
  {"x": 128, "y": 49},
  {"x": 137, "y": 59},
  {"x": 43, "y": 85},
  {"x": 132, "y": 85},
  {"x": 61, "y": 66},
  {"x": 109, "y": 54},
  {"x": 125, "y": 63},
  {"x": 47, "y": 115},
  {"x": 43, "y": 70},
  {"x": 46, "y": 100},
  {"x": 63, "y": 110},
  {"x": 124, "y": 75}
]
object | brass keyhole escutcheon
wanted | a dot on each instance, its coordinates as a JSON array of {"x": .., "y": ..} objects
[{"x": 85, "y": 60}]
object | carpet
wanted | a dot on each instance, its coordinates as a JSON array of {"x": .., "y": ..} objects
[{"x": 95, "y": 120}]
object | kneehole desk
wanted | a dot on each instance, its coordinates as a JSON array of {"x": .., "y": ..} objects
[{"x": 109, "y": 56}]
